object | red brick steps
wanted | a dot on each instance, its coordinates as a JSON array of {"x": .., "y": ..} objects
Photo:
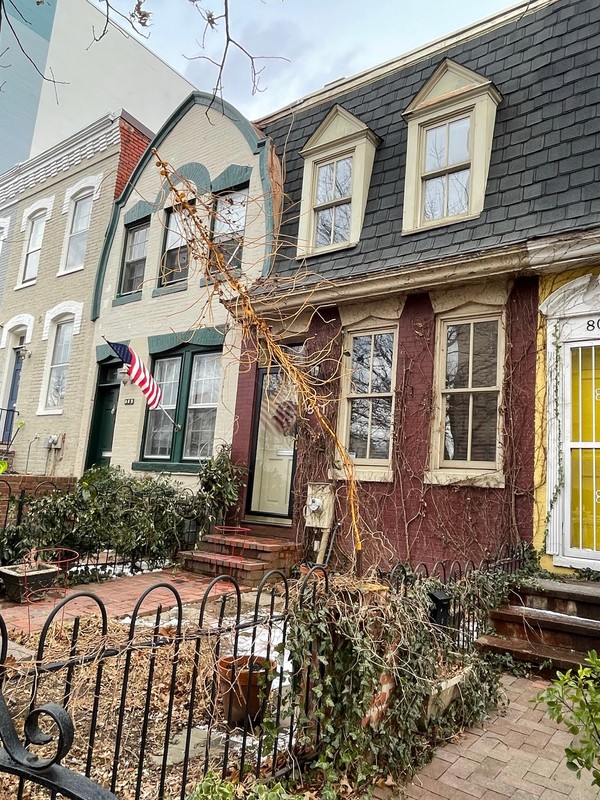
[{"x": 246, "y": 557}]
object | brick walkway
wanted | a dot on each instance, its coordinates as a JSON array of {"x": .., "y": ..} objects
[
  {"x": 119, "y": 596},
  {"x": 518, "y": 755}
]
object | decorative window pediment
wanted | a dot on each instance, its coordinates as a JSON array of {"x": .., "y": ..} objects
[
  {"x": 338, "y": 160},
  {"x": 450, "y": 130}
]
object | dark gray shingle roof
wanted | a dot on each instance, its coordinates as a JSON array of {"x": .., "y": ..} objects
[{"x": 544, "y": 173}]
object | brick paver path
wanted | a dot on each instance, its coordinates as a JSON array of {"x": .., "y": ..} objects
[
  {"x": 119, "y": 596},
  {"x": 519, "y": 754}
]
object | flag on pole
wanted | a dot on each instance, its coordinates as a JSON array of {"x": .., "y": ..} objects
[{"x": 138, "y": 372}]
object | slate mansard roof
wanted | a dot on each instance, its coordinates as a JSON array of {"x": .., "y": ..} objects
[{"x": 544, "y": 176}]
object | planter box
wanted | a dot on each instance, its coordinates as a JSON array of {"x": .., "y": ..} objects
[
  {"x": 443, "y": 694},
  {"x": 19, "y": 583}
]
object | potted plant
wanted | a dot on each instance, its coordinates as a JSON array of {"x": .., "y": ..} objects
[
  {"x": 22, "y": 581},
  {"x": 220, "y": 481},
  {"x": 244, "y": 686}
]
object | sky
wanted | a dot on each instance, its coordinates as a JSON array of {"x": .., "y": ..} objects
[{"x": 304, "y": 43}]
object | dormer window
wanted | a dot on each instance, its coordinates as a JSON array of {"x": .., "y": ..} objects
[
  {"x": 338, "y": 160},
  {"x": 450, "y": 131},
  {"x": 333, "y": 202}
]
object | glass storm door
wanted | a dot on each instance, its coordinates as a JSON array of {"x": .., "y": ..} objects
[
  {"x": 274, "y": 447},
  {"x": 583, "y": 451}
]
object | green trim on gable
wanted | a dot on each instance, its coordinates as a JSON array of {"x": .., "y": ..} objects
[
  {"x": 193, "y": 172},
  {"x": 234, "y": 175},
  {"x": 201, "y": 337},
  {"x": 258, "y": 144},
  {"x": 140, "y": 210}
]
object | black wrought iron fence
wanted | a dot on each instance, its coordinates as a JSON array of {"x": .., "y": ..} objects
[
  {"x": 161, "y": 697},
  {"x": 462, "y": 614}
]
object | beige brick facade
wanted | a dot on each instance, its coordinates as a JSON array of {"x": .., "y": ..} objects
[
  {"x": 89, "y": 161},
  {"x": 209, "y": 141}
]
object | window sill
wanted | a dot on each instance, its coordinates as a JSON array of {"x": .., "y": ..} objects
[
  {"x": 69, "y": 271},
  {"x": 489, "y": 479},
  {"x": 365, "y": 474},
  {"x": 49, "y": 412},
  {"x": 333, "y": 248},
  {"x": 166, "y": 466},
  {"x": 176, "y": 287},
  {"x": 124, "y": 299},
  {"x": 440, "y": 223},
  {"x": 575, "y": 562},
  {"x": 24, "y": 285}
]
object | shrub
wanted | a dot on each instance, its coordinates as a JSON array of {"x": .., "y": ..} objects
[{"x": 574, "y": 699}]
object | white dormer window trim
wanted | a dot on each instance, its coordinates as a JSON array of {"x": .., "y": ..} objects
[
  {"x": 456, "y": 109},
  {"x": 338, "y": 161}
]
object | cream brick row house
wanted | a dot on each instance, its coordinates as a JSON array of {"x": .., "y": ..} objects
[{"x": 54, "y": 210}]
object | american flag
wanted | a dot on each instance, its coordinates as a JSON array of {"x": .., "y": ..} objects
[{"x": 138, "y": 372}]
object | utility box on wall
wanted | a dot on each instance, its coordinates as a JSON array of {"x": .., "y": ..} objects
[{"x": 319, "y": 508}]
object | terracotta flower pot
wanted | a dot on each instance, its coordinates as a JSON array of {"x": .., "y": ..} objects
[{"x": 244, "y": 686}]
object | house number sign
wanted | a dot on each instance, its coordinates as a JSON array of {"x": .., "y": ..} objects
[
  {"x": 592, "y": 325},
  {"x": 129, "y": 401}
]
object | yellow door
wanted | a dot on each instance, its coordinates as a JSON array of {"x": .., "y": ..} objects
[{"x": 584, "y": 446}]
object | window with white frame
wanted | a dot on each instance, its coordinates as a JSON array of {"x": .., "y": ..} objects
[
  {"x": 338, "y": 161},
  {"x": 59, "y": 365},
  {"x": 175, "y": 262},
  {"x": 78, "y": 232},
  {"x": 35, "y": 236},
  {"x": 229, "y": 223},
  {"x": 370, "y": 396},
  {"x": 332, "y": 202},
  {"x": 191, "y": 386},
  {"x": 450, "y": 132},
  {"x": 469, "y": 384},
  {"x": 134, "y": 261},
  {"x": 446, "y": 170}
]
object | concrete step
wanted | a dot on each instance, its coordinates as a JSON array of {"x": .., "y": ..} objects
[
  {"x": 575, "y": 598},
  {"x": 547, "y": 627},
  {"x": 554, "y": 658}
]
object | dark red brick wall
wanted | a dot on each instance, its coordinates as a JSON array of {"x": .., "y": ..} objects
[
  {"x": 13, "y": 485},
  {"x": 133, "y": 145},
  {"x": 244, "y": 414},
  {"x": 410, "y": 520}
]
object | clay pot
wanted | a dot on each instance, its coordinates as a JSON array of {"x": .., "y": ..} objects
[{"x": 244, "y": 687}]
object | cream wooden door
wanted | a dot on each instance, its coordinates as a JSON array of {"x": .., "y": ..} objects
[{"x": 275, "y": 447}]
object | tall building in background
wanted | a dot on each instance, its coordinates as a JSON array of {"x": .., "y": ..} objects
[{"x": 57, "y": 79}]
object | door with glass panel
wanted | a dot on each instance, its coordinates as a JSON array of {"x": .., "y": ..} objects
[
  {"x": 583, "y": 451},
  {"x": 271, "y": 477}
]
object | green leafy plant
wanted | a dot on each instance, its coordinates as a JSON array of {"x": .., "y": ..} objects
[
  {"x": 574, "y": 699},
  {"x": 220, "y": 481},
  {"x": 215, "y": 788}
]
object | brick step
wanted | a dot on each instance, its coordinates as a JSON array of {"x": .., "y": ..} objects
[
  {"x": 248, "y": 571},
  {"x": 263, "y": 548},
  {"x": 579, "y": 599},
  {"x": 552, "y": 657},
  {"x": 547, "y": 627},
  {"x": 268, "y": 530}
]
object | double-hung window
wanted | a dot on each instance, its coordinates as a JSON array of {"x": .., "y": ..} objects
[
  {"x": 59, "y": 365},
  {"x": 134, "y": 263},
  {"x": 37, "y": 223},
  {"x": 175, "y": 262},
  {"x": 191, "y": 386},
  {"x": 370, "y": 397},
  {"x": 229, "y": 225},
  {"x": 78, "y": 233},
  {"x": 469, "y": 393},
  {"x": 446, "y": 170},
  {"x": 333, "y": 202}
]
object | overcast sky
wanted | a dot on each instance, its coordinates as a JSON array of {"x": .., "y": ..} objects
[{"x": 323, "y": 40}]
